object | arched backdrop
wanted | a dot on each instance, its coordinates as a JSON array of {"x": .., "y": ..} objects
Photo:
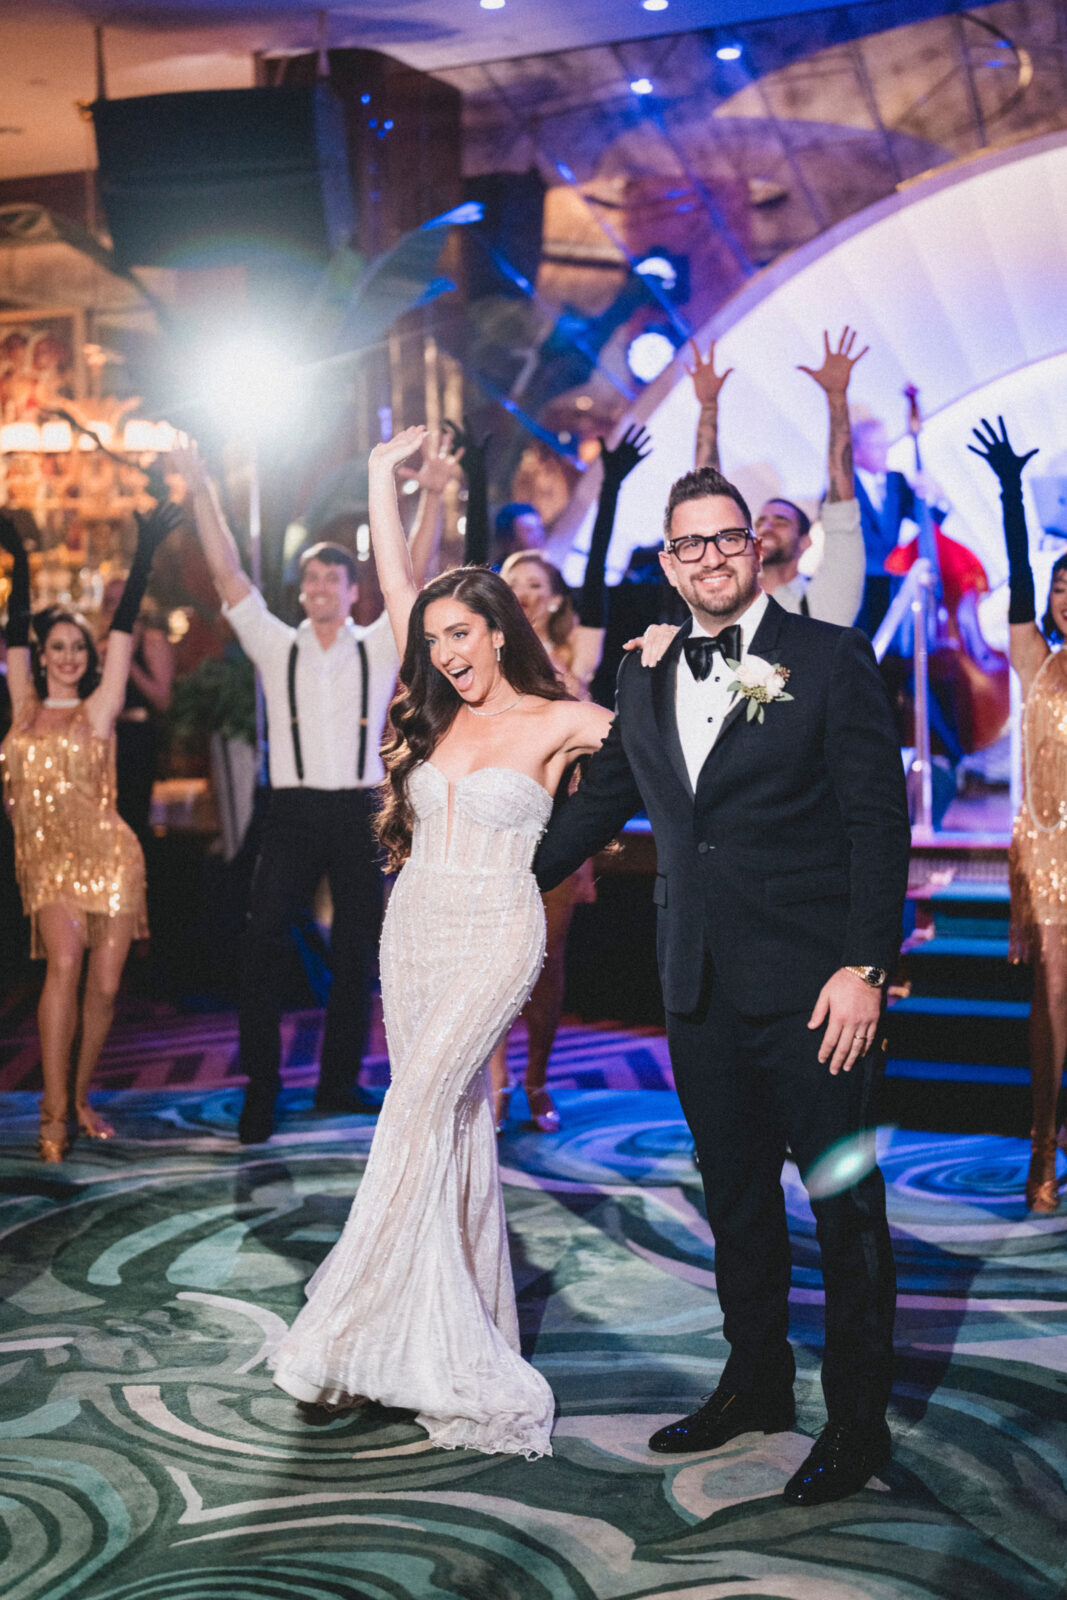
[{"x": 958, "y": 284}]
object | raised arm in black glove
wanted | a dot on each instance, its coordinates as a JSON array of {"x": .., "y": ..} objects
[
  {"x": 618, "y": 464},
  {"x": 996, "y": 449},
  {"x": 151, "y": 532},
  {"x": 17, "y": 632},
  {"x": 476, "y": 538}
]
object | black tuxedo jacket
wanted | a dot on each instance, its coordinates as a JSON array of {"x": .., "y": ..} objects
[{"x": 791, "y": 859}]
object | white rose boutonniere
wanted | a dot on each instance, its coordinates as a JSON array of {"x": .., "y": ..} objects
[{"x": 759, "y": 682}]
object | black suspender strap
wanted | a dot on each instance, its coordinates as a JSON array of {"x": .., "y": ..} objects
[
  {"x": 364, "y": 697},
  {"x": 294, "y": 720}
]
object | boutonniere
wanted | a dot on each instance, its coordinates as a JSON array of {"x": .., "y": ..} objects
[{"x": 759, "y": 682}]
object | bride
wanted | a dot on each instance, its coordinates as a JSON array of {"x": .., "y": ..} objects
[{"x": 415, "y": 1306}]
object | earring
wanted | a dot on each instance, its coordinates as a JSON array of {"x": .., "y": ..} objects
[{"x": 498, "y": 654}]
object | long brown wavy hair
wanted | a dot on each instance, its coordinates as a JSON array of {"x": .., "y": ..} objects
[{"x": 425, "y": 704}]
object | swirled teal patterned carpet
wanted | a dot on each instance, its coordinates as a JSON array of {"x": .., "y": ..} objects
[{"x": 144, "y": 1454}]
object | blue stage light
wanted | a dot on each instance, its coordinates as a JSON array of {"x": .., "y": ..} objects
[{"x": 649, "y": 353}]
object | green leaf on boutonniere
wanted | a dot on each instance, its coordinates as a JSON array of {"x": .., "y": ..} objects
[{"x": 754, "y": 710}]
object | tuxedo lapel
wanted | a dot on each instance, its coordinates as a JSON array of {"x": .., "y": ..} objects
[{"x": 663, "y": 681}]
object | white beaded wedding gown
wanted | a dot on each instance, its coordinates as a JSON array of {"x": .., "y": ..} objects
[{"x": 415, "y": 1305}]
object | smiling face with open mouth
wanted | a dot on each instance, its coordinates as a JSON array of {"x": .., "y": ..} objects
[
  {"x": 326, "y": 593},
  {"x": 463, "y": 647},
  {"x": 65, "y": 655},
  {"x": 717, "y": 589}
]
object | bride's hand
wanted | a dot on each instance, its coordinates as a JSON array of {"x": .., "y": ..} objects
[
  {"x": 653, "y": 643},
  {"x": 391, "y": 452}
]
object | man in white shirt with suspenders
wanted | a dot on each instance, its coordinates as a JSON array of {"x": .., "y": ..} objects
[{"x": 327, "y": 686}]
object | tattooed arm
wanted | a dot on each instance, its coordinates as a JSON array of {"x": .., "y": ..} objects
[
  {"x": 832, "y": 377},
  {"x": 706, "y": 385}
]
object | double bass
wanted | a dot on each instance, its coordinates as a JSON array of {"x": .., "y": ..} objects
[{"x": 970, "y": 678}]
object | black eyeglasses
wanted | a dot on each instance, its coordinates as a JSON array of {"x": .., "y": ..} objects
[{"x": 691, "y": 547}]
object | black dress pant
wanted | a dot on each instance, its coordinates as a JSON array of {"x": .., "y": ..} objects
[
  {"x": 750, "y": 1086},
  {"x": 308, "y": 833}
]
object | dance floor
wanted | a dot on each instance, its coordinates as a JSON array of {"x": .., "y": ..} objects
[{"x": 145, "y": 1452}]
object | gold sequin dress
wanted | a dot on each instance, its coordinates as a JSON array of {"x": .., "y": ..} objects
[
  {"x": 71, "y": 846},
  {"x": 415, "y": 1304},
  {"x": 1037, "y": 860}
]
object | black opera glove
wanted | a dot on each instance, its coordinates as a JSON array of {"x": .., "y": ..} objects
[
  {"x": 151, "y": 532},
  {"x": 997, "y": 451},
  {"x": 631, "y": 449}
]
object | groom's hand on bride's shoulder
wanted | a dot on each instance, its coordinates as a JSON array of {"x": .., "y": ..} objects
[{"x": 851, "y": 1010}]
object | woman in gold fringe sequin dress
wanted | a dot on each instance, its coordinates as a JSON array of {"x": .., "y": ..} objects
[
  {"x": 1038, "y": 856},
  {"x": 80, "y": 868},
  {"x": 415, "y": 1305}
]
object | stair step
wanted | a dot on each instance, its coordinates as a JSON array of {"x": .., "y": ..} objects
[
  {"x": 932, "y": 1005},
  {"x": 965, "y": 968},
  {"x": 956, "y": 1071},
  {"x": 981, "y": 929},
  {"x": 995, "y": 1036},
  {"x": 962, "y": 946},
  {"x": 964, "y": 890}
]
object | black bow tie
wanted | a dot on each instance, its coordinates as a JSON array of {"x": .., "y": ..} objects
[{"x": 699, "y": 652}]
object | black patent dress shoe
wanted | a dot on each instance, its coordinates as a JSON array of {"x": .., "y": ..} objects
[
  {"x": 256, "y": 1123},
  {"x": 345, "y": 1103},
  {"x": 725, "y": 1415},
  {"x": 842, "y": 1459}
]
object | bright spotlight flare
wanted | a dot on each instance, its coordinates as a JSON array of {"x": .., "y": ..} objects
[
  {"x": 843, "y": 1165},
  {"x": 248, "y": 384},
  {"x": 254, "y": 388}
]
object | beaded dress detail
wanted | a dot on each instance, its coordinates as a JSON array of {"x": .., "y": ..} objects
[
  {"x": 71, "y": 845},
  {"x": 415, "y": 1305},
  {"x": 1037, "y": 860}
]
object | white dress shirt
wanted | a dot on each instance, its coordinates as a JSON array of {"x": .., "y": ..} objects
[
  {"x": 874, "y": 483},
  {"x": 329, "y": 689},
  {"x": 702, "y": 707},
  {"x": 835, "y": 589}
]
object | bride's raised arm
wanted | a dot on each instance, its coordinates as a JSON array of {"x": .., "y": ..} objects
[{"x": 391, "y": 554}]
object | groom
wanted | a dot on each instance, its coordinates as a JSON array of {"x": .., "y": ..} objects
[{"x": 776, "y": 796}]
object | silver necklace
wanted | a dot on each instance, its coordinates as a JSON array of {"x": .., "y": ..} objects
[
  {"x": 499, "y": 713},
  {"x": 55, "y": 704}
]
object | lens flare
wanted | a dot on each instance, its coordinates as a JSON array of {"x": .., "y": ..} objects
[{"x": 843, "y": 1165}]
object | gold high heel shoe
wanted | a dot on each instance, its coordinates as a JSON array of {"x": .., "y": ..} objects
[
  {"x": 543, "y": 1113},
  {"x": 93, "y": 1126},
  {"x": 1042, "y": 1185},
  {"x": 52, "y": 1151}
]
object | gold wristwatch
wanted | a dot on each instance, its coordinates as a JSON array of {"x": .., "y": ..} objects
[{"x": 874, "y": 977}]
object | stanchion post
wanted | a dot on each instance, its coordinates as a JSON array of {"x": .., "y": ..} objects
[{"x": 923, "y": 600}]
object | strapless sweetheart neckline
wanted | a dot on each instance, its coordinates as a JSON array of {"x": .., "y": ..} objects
[{"x": 514, "y": 771}]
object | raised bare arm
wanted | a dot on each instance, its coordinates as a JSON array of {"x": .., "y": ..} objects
[
  {"x": 440, "y": 467},
  {"x": 706, "y": 385},
  {"x": 216, "y": 540},
  {"x": 832, "y": 378},
  {"x": 391, "y": 554}
]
